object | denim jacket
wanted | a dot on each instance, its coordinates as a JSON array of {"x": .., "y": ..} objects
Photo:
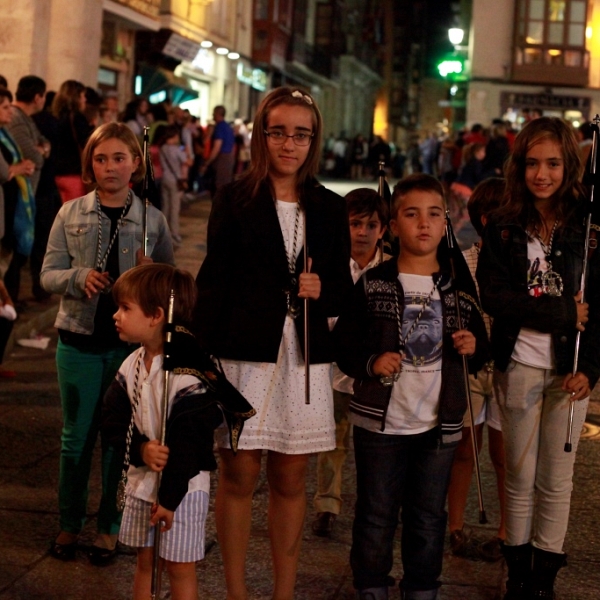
[{"x": 72, "y": 252}]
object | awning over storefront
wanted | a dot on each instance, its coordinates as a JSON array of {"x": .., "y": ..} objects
[{"x": 158, "y": 79}]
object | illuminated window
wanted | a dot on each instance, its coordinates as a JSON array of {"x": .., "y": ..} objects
[{"x": 551, "y": 32}]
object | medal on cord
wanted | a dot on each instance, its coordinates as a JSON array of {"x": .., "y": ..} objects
[
  {"x": 293, "y": 308},
  {"x": 552, "y": 283}
]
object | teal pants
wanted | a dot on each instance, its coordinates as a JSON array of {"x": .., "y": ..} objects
[{"x": 83, "y": 378}]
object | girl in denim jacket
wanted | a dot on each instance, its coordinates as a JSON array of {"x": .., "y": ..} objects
[{"x": 93, "y": 240}]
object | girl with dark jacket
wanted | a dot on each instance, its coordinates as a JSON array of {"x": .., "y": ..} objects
[
  {"x": 529, "y": 274},
  {"x": 252, "y": 287}
]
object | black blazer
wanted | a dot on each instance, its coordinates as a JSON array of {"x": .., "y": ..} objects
[{"x": 241, "y": 305}]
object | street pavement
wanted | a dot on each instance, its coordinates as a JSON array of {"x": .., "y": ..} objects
[{"x": 30, "y": 423}]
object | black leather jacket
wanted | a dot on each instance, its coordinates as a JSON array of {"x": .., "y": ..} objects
[{"x": 502, "y": 278}]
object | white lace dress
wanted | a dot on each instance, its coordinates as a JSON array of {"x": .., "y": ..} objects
[{"x": 283, "y": 422}]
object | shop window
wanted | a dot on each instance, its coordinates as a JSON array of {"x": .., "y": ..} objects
[{"x": 550, "y": 36}]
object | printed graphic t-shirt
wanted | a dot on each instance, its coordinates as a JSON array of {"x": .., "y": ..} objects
[
  {"x": 415, "y": 397},
  {"x": 532, "y": 347}
]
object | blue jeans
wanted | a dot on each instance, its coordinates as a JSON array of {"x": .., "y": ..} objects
[{"x": 411, "y": 472}]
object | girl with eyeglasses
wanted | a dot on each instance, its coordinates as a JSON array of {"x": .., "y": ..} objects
[{"x": 250, "y": 314}]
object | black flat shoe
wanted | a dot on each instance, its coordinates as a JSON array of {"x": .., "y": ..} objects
[
  {"x": 63, "y": 551},
  {"x": 323, "y": 524},
  {"x": 100, "y": 557}
]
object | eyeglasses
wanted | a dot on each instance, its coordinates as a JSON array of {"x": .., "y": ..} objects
[{"x": 278, "y": 138}]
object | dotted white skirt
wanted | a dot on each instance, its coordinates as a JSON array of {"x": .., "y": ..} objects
[{"x": 283, "y": 422}]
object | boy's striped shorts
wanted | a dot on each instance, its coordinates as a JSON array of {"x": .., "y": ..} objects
[{"x": 184, "y": 542}]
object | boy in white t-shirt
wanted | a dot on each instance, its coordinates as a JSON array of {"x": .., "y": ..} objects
[
  {"x": 132, "y": 417},
  {"x": 399, "y": 339}
]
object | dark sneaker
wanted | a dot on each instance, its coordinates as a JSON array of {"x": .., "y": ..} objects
[{"x": 323, "y": 524}]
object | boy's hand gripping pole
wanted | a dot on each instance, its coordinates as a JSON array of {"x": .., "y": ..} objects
[
  {"x": 450, "y": 239},
  {"x": 167, "y": 368},
  {"x": 586, "y": 250},
  {"x": 145, "y": 189},
  {"x": 306, "y": 327}
]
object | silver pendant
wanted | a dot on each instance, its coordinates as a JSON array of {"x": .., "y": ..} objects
[
  {"x": 552, "y": 283},
  {"x": 293, "y": 308},
  {"x": 389, "y": 381},
  {"x": 121, "y": 493}
]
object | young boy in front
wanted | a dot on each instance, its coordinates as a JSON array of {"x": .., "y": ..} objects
[
  {"x": 132, "y": 420},
  {"x": 368, "y": 215},
  {"x": 399, "y": 339}
]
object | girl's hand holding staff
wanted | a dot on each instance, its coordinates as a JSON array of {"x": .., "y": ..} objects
[
  {"x": 309, "y": 284},
  {"x": 577, "y": 385}
]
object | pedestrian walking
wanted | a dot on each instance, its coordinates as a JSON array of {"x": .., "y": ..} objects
[
  {"x": 368, "y": 215},
  {"x": 529, "y": 275},
  {"x": 221, "y": 159},
  {"x": 133, "y": 411},
  {"x": 250, "y": 313},
  {"x": 398, "y": 337},
  {"x": 174, "y": 168},
  {"x": 93, "y": 240},
  {"x": 73, "y": 133}
]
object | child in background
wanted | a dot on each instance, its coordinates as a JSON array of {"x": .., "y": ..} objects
[
  {"x": 485, "y": 199},
  {"x": 398, "y": 338},
  {"x": 368, "y": 215},
  {"x": 134, "y": 401},
  {"x": 174, "y": 161},
  {"x": 529, "y": 275}
]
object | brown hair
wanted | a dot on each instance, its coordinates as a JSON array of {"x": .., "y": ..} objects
[
  {"x": 150, "y": 286},
  {"x": 518, "y": 201},
  {"x": 5, "y": 93},
  {"x": 417, "y": 181},
  {"x": 67, "y": 98},
  {"x": 364, "y": 202},
  {"x": 484, "y": 200},
  {"x": 259, "y": 167},
  {"x": 108, "y": 131}
]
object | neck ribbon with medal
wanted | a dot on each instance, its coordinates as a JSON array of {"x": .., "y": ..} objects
[
  {"x": 291, "y": 290},
  {"x": 551, "y": 282},
  {"x": 100, "y": 258},
  {"x": 389, "y": 381}
]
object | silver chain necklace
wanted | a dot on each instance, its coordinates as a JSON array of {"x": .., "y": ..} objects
[
  {"x": 389, "y": 380},
  {"x": 293, "y": 309},
  {"x": 101, "y": 259},
  {"x": 552, "y": 283}
]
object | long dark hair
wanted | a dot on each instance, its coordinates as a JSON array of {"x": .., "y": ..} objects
[
  {"x": 518, "y": 202},
  {"x": 260, "y": 164}
]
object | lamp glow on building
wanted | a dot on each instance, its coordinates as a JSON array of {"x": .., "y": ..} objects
[
  {"x": 233, "y": 55},
  {"x": 456, "y": 35},
  {"x": 222, "y": 51},
  {"x": 206, "y": 44}
]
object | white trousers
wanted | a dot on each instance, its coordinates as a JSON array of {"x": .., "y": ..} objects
[{"x": 539, "y": 473}]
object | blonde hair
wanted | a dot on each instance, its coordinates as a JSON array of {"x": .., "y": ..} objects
[
  {"x": 109, "y": 131},
  {"x": 260, "y": 165}
]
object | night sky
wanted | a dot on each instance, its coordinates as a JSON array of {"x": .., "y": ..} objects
[{"x": 439, "y": 20}]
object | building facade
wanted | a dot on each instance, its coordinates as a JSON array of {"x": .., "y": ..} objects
[{"x": 534, "y": 55}]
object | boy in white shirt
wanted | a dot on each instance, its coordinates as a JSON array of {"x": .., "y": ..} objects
[
  {"x": 399, "y": 339},
  {"x": 132, "y": 419}
]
